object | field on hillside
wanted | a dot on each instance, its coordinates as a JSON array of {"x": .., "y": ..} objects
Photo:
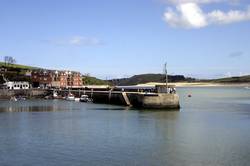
[{"x": 2, "y": 64}]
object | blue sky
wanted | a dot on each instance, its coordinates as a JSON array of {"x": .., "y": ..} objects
[{"x": 120, "y": 38}]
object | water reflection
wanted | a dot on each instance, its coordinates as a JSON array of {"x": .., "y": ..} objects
[
  {"x": 37, "y": 106},
  {"x": 62, "y": 105}
]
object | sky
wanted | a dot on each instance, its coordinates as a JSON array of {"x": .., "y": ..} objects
[{"x": 120, "y": 38}]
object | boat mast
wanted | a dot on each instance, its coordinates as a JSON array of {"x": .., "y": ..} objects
[{"x": 166, "y": 73}]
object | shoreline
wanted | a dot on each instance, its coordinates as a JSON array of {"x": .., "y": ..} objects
[{"x": 198, "y": 84}]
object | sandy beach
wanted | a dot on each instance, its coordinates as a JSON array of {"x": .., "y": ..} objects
[{"x": 199, "y": 84}]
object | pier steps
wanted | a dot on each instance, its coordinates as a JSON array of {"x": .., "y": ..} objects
[{"x": 126, "y": 99}]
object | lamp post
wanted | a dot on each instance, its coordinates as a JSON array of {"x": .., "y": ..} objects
[{"x": 166, "y": 73}]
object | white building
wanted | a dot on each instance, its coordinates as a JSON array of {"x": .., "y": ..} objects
[{"x": 17, "y": 85}]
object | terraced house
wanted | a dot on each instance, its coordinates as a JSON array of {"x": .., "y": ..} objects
[{"x": 56, "y": 79}]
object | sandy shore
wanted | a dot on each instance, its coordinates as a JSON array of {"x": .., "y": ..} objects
[{"x": 199, "y": 84}]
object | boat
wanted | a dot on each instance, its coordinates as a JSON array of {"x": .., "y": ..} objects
[
  {"x": 55, "y": 95},
  {"x": 13, "y": 98},
  {"x": 85, "y": 98},
  {"x": 77, "y": 99},
  {"x": 70, "y": 97},
  {"x": 21, "y": 98},
  {"x": 18, "y": 98}
]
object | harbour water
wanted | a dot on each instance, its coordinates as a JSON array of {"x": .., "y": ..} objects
[{"x": 212, "y": 128}]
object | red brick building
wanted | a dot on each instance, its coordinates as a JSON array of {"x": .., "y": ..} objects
[
  {"x": 59, "y": 79},
  {"x": 74, "y": 79},
  {"x": 41, "y": 78}
]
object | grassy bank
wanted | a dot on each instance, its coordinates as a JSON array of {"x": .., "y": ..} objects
[{"x": 17, "y": 66}]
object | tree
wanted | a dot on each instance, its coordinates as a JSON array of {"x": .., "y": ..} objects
[
  {"x": 6, "y": 59},
  {"x": 9, "y": 60}
]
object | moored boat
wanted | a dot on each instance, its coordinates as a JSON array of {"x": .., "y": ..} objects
[
  {"x": 70, "y": 97},
  {"x": 85, "y": 98},
  {"x": 77, "y": 99},
  {"x": 55, "y": 95}
]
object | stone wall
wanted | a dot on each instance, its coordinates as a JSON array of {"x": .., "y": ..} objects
[{"x": 30, "y": 93}]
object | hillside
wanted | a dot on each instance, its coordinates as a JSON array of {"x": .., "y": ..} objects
[
  {"x": 16, "y": 66},
  {"x": 145, "y": 78},
  {"x": 242, "y": 79},
  {"x": 89, "y": 80},
  {"x": 160, "y": 78},
  {"x": 14, "y": 72}
]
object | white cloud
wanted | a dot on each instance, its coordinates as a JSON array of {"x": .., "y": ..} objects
[
  {"x": 186, "y": 15},
  {"x": 199, "y": 1},
  {"x": 190, "y": 15},
  {"x": 76, "y": 41},
  {"x": 84, "y": 41},
  {"x": 219, "y": 17}
]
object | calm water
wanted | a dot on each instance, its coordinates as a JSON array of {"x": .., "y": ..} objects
[{"x": 212, "y": 128}]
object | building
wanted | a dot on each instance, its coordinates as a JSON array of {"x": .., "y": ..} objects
[
  {"x": 17, "y": 85},
  {"x": 42, "y": 78},
  {"x": 74, "y": 79},
  {"x": 57, "y": 79}
]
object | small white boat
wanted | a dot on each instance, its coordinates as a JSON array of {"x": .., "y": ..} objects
[
  {"x": 247, "y": 87},
  {"x": 70, "y": 97},
  {"x": 77, "y": 99},
  {"x": 85, "y": 98},
  {"x": 55, "y": 95}
]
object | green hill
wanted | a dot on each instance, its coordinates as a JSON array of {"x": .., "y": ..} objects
[
  {"x": 242, "y": 79},
  {"x": 89, "y": 80},
  {"x": 17, "y": 66},
  {"x": 15, "y": 72},
  {"x": 145, "y": 78}
]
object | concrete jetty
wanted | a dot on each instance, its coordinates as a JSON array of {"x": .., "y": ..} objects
[{"x": 140, "y": 98}]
